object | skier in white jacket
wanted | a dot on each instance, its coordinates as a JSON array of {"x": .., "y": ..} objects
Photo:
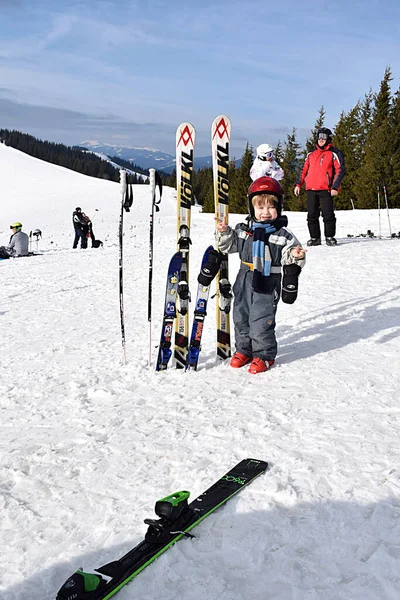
[{"x": 265, "y": 165}]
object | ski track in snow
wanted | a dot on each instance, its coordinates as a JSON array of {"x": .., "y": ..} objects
[{"x": 88, "y": 445}]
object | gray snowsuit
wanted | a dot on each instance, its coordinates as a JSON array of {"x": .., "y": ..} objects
[
  {"x": 18, "y": 246},
  {"x": 254, "y": 312}
]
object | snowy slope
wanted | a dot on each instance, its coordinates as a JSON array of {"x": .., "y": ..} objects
[
  {"x": 37, "y": 194},
  {"x": 116, "y": 166},
  {"x": 88, "y": 445}
]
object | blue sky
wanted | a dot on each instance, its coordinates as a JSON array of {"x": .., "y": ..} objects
[{"x": 129, "y": 72}]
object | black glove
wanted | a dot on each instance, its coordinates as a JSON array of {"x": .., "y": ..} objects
[
  {"x": 211, "y": 268},
  {"x": 290, "y": 283}
]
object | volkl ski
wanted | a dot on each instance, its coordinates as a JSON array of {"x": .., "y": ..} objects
[
  {"x": 220, "y": 142},
  {"x": 176, "y": 519},
  {"x": 185, "y": 141}
]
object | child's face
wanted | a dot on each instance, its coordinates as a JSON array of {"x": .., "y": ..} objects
[{"x": 264, "y": 209}]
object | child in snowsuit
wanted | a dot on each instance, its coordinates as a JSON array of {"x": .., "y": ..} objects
[
  {"x": 265, "y": 164},
  {"x": 265, "y": 246}
]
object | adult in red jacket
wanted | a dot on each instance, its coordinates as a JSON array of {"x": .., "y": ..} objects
[{"x": 322, "y": 173}]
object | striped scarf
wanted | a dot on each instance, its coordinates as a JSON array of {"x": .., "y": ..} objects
[{"x": 261, "y": 255}]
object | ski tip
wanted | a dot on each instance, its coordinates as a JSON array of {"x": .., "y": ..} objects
[
  {"x": 185, "y": 135},
  {"x": 221, "y": 127},
  {"x": 256, "y": 463},
  {"x": 225, "y": 117}
]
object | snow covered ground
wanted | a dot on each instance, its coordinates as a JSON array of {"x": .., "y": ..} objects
[{"x": 88, "y": 445}]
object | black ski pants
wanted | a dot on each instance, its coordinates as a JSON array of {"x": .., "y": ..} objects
[
  {"x": 318, "y": 200},
  {"x": 80, "y": 234},
  {"x": 4, "y": 253}
]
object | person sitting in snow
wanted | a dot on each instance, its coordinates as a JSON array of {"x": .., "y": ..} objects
[
  {"x": 265, "y": 247},
  {"x": 265, "y": 164},
  {"x": 18, "y": 244}
]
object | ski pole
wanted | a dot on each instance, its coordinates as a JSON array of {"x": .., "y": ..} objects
[
  {"x": 155, "y": 181},
  {"x": 37, "y": 234},
  {"x": 387, "y": 210},
  {"x": 379, "y": 212},
  {"x": 123, "y": 187}
]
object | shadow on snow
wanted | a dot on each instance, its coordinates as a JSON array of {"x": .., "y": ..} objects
[{"x": 325, "y": 549}]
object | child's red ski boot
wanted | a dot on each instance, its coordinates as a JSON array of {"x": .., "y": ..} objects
[
  {"x": 258, "y": 365},
  {"x": 239, "y": 360}
]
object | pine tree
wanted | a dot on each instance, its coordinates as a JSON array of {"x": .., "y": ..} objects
[
  {"x": 377, "y": 165},
  {"x": 292, "y": 163},
  {"x": 207, "y": 191},
  {"x": 312, "y": 140},
  {"x": 278, "y": 153},
  {"x": 232, "y": 183},
  {"x": 203, "y": 186},
  {"x": 393, "y": 190},
  {"x": 348, "y": 139},
  {"x": 171, "y": 181},
  {"x": 240, "y": 183}
]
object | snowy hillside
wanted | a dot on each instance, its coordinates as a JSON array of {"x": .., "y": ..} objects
[
  {"x": 116, "y": 166},
  {"x": 88, "y": 445},
  {"x": 39, "y": 194}
]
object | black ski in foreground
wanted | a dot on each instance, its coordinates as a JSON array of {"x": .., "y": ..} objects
[{"x": 176, "y": 519}]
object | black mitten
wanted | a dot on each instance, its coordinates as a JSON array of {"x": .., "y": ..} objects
[
  {"x": 290, "y": 283},
  {"x": 210, "y": 268}
]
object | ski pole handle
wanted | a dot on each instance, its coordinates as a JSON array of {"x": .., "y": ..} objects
[
  {"x": 122, "y": 178},
  {"x": 152, "y": 180}
]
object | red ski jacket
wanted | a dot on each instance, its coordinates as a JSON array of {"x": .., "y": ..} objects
[{"x": 323, "y": 169}]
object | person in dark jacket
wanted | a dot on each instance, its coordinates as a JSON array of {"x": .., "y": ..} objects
[
  {"x": 18, "y": 244},
  {"x": 322, "y": 173},
  {"x": 89, "y": 233},
  {"x": 266, "y": 248},
  {"x": 81, "y": 228}
]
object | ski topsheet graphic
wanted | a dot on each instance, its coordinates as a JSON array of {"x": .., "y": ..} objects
[
  {"x": 220, "y": 142},
  {"x": 209, "y": 268},
  {"x": 185, "y": 141},
  {"x": 171, "y": 292},
  {"x": 176, "y": 519}
]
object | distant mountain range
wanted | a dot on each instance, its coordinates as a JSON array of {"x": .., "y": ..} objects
[{"x": 147, "y": 158}]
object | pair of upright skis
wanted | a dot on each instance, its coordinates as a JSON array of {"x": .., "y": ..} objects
[{"x": 186, "y": 350}]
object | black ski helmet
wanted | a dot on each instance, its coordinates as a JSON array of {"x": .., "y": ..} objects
[
  {"x": 324, "y": 133},
  {"x": 78, "y": 208}
]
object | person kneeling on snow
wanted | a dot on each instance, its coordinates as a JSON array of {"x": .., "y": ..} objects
[
  {"x": 18, "y": 244},
  {"x": 265, "y": 247}
]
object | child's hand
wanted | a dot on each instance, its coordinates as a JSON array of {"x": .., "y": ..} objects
[
  {"x": 299, "y": 252},
  {"x": 221, "y": 225}
]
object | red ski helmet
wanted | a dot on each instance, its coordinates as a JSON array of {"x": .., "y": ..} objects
[{"x": 266, "y": 185}]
